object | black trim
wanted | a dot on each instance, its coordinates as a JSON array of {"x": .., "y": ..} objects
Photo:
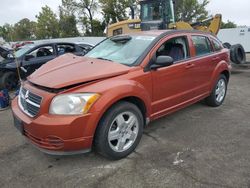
[
  {"x": 50, "y": 90},
  {"x": 58, "y": 90}
]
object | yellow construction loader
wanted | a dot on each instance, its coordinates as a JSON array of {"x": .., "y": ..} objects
[{"x": 159, "y": 14}]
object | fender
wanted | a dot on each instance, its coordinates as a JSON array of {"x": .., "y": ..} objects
[
  {"x": 221, "y": 66},
  {"x": 116, "y": 90},
  {"x": 119, "y": 89}
]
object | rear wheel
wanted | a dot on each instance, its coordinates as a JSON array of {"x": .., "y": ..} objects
[
  {"x": 119, "y": 131},
  {"x": 8, "y": 81},
  {"x": 219, "y": 92}
]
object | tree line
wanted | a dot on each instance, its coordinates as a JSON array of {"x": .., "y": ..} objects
[{"x": 91, "y": 17}]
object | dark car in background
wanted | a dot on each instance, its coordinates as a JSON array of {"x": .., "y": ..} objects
[
  {"x": 85, "y": 46},
  {"x": 17, "y": 46},
  {"x": 30, "y": 58},
  {"x": 4, "y": 52}
]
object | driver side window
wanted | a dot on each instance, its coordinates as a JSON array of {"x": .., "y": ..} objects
[
  {"x": 42, "y": 51},
  {"x": 177, "y": 48}
]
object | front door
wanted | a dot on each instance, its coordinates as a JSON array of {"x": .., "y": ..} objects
[
  {"x": 37, "y": 57},
  {"x": 173, "y": 85}
]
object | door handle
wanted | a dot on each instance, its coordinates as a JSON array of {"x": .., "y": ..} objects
[{"x": 189, "y": 66}]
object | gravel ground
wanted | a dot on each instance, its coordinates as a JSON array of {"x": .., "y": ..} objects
[{"x": 199, "y": 146}]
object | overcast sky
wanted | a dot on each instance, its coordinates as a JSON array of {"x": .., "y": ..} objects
[{"x": 11, "y": 11}]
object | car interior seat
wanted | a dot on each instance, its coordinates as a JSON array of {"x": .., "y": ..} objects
[
  {"x": 176, "y": 52},
  {"x": 40, "y": 53},
  {"x": 43, "y": 52},
  {"x": 69, "y": 49}
]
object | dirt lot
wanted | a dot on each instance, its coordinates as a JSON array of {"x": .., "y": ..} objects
[{"x": 196, "y": 147}]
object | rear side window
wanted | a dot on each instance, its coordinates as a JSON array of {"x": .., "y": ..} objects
[
  {"x": 202, "y": 45},
  {"x": 217, "y": 45}
]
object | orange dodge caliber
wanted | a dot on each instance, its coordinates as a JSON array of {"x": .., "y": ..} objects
[{"x": 105, "y": 99}]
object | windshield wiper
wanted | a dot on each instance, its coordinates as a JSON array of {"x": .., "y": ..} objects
[{"x": 104, "y": 59}]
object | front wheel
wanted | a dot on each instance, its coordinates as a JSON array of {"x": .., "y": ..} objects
[
  {"x": 219, "y": 92},
  {"x": 119, "y": 131}
]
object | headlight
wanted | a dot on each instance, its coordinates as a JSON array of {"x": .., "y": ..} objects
[{"x": 72, "y": 104}]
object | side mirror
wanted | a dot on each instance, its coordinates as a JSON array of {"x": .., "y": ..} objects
[
  {"x": 28, "y": 57},
  {"x": 162, "y": 61}
]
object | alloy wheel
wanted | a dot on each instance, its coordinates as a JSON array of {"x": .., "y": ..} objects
[
  {"x": 123, "y": 131},
  {"x": 220, "y": 91}
]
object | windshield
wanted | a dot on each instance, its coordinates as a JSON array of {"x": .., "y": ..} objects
[
  {"x": 22, "y": 51},
  {"x": 156, "y": 11},
  {"x": 121, "y": 49}
]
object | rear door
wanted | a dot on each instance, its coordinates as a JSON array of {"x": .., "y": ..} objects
[{"x": 204, "y": 60}]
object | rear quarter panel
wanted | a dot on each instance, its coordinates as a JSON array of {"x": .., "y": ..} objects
[{"x": 223, "y": 65}]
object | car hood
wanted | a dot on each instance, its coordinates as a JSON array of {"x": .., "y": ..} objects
[{"x": 68, "y": 70}]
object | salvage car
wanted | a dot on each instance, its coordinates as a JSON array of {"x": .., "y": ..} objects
[
  {"x": 30, "y": 58},
  {"x": 17, "y": 46},
  {"x": 85, "y": 46},
  {"x": 105, "y": 99},
  {"x": 5, "y": 52}
]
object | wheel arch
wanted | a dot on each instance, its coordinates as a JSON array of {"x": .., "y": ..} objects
[
  {"x": 133, "y": 99},
  {"x": 116, "y": 91},
  {"x": 221, "y": 68},
  {"x": 226, "y": 73},
  {"x": 139, "y": 103}
]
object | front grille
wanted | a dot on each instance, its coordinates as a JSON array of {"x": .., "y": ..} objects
[{"x": 29, "y": 102}]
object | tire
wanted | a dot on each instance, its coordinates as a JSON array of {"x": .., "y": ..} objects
[
  {"x": 214, "y": 100},
  {"x": 115, "y": 124},
  {"x": 233, "y": 54},
  {"x": 237, "y": 54},
  {"x": 227, "y": 45},
  {"x": 8, "y": 81}
]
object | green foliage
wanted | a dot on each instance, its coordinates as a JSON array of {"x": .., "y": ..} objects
[
  {"x": 98, "y": 28},
  {"x": 86, "y": 10},
  {"x": 6, "y": 31},
  {"x": 190, "y": 10},
  {"x": 228, "y": 24},
  {"x": 114, "y": 10},
  {"x": 67, "y": 23},
  {"x": 75, "y": 13},
  {"x": 24, "y": 30},
  {"x": 47, "y": 24}
]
